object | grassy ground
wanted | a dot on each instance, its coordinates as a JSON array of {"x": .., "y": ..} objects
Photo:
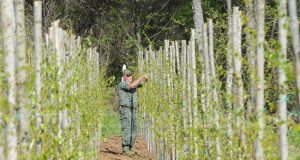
[
  {"x": 294, "y": 142},
  {"x": 111, "y": 124}
]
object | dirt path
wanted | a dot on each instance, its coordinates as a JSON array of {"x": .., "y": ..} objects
[{"x": 112, "y": 150}]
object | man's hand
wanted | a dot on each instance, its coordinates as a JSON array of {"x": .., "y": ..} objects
[
  {"x": 135, "y": 83},
  {"x": 145, "y": 76}
]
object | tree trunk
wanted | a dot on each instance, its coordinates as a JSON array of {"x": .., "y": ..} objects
[
  {"x": 282, "y": 105},
  {"x": 296, "y": 45},
  {"x": 260, "y": 38},
  {"x": 198, "y": 14},
  {"x": 138, "y": 21}
]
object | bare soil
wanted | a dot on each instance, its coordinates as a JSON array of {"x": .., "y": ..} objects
[{"x": 112, "y": 150}]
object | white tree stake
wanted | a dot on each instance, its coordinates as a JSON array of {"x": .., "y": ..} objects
[{"x": 9, "y": 40}]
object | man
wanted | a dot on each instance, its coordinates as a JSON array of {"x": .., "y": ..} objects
[{"x": 128, "y": 104}]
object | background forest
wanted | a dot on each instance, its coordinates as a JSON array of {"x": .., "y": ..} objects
[{"x": 115, "y": 26}]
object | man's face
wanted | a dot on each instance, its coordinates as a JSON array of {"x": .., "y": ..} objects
[{"x": 128, "y": 78}]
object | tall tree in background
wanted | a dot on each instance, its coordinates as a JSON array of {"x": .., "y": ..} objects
[
  {"x": 119, "y": 23},
  {"x": 136, "y": 13},
  {"x": 198, "y": 14}
]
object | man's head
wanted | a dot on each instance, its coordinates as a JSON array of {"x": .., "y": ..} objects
[{"x": 127, "y": 75}]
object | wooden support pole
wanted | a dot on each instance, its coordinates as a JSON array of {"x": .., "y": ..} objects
[
  {"x": 282, "y": 59},
  {"x": 206, "y": 67},
  {"x": 207, "y": 92},
  {"x": 178, "y": 64},
  {"x": 22, "y": 100},
  {"x": 172, "y": 96},
  {"x": 184, "y": 96},
  {"x": 9, "y": 44},
  {"x": 194, "y": 91},
  {"x": 189, "y": 88},
  {"x": 260, "y": 38},
  {"x": 37, "y": 67},
  {"x": 229, "y": 94},
  {"x": 60, "y": 57},
  {"x": 251, "y": 57},
  {"x": 214, "y": 86},
  {"x": 237, "y": 66}
]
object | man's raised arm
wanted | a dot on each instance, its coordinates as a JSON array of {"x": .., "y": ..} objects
[{"x": 135, "y": 83}]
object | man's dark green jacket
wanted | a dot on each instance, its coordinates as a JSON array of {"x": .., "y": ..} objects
[{"x": 127, "y": 97}]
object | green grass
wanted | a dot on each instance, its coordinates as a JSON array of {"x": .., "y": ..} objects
[
  {"x": 111, "y": 125},
  {"x": 294, "y": 142},
  {"x": 294, "y": 135}
]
